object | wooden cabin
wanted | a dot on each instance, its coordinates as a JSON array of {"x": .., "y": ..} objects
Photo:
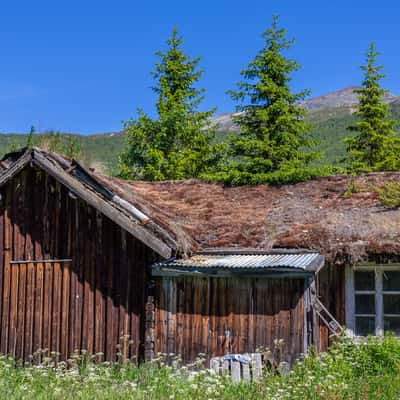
[{"x": 89, "y": 262}]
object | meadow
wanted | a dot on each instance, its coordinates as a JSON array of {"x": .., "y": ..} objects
[{"x": 369, "y": 370}]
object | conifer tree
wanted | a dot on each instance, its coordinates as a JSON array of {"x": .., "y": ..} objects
[
  {"x": 274, "y": 136},
  {"x": 176, "y": 145},
  {"x": 375, "y": 147}
]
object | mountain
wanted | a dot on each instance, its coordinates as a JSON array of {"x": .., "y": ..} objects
[
  {"x": 341, "y": 101},
  {"x": 344, "y": 98},
  {"x": 329, "y": 115}
]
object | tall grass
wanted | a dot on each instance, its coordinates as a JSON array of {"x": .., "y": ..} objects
[{"x": 369, "y": 370}]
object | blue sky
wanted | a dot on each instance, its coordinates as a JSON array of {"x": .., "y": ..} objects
[{"x": 83, "y": 66}]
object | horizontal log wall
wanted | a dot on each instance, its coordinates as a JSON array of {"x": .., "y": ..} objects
[
  {"x": 217, "y": 316},
  {"x": 88, "y": 303}
]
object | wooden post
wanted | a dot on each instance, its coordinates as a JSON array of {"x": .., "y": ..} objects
[
  {"x": 313, "y": 317},
  {"x": 309, "y": 320},
  {"x": 149, "y": 324}
]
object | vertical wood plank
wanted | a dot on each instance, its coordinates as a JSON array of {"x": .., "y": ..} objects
[
  {"x": 7, "y": 276},
  {"x": 20, "y": 329},
  {"x": 100, "y": 298},
  {"x": 235, "y": 371}
]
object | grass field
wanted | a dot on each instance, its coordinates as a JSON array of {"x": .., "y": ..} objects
[{"x": 348, "y": 371}]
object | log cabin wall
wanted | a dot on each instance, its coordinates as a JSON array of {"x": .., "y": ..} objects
[
  {"x": 87, "y": 303},
  {"x": 217, "y": 316}
]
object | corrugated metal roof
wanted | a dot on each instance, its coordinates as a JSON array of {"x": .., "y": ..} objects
[{"x": 300, "y": 262}]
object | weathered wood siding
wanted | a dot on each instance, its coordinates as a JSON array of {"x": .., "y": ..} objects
[
  {"x": 216, "y": 316},
  {"x": 331, "y": 291},
  {"x": 88, "y": 303}
]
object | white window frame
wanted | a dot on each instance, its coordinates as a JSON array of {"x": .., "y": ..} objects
[{"x": 350, "y": 295}]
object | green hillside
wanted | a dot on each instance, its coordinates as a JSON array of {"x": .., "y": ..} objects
[
  {"x": 329, "y": 128},
  {"x": 101, "y": 151},
  {"x": 98, "y": 151}
]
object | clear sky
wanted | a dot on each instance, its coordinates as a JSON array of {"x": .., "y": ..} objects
[{"x": 83, "y": 66}]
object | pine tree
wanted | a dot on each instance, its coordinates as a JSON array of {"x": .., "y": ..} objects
[
  {"x": 176, "y": 145},
  {"x": 376, "y": 146},
  {"x": 273, "y": 133}
]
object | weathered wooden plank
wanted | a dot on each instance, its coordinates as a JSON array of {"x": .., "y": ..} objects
[
  {"x": 180, "y": 330},
  {"x": 2, "y": 210},
  {"x": 110, "y": 328},
  {"x": 116, "y": 292},
  {"x": 123, "y": 290},
  {"x": 73, "y": 314},
  {"x": 235, "y": 371},
  {"x": 84, "y": 276},
  {"x": 56, "y": 308},
  {"x": 100, "y": 298},
  {"x": 30, "y": 310},
  {"x": 13, "y": 311},
  {"x": 16, "y": 167},
  {"x": 215, "y": 364},
  {"x": 65, "y": 304},
  {"x": 55, "y": 248},
  {"x": 246, "y": 372},
  {"x": 38, "y": 317},
  {"x": 47, "y": 306},
  {"x": 91, "y": 280},
  {"x": 225, "y": 367},
  {"x": 80, "y": 267},
  {"x": 256, "y": 365},
  {"x": 20, "y": 329},
  {"x": 7, "y": 276}
]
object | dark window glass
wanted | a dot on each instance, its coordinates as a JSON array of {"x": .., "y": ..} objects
[
  {"x": 364, "y": 280},
  {"x": 391, "y": 304},
  {"x": 391, "y": 280},
  {"x": 365, "y": 304},
  {"x": 365, "y": 326},
  {"x": 392, "y": 324}
]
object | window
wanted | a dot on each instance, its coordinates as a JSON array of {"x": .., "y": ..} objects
[{"x": 373, "y": 300}]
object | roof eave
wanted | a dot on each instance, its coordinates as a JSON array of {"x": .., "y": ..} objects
[{"x": 272, "y": 273}]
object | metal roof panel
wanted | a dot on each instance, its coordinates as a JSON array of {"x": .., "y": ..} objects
[{"x": 300, "y": 262}]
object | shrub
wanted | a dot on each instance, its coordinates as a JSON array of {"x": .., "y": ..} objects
[
  {"x": 279, "y": 177},
  {"x": 389, "y": 194}
]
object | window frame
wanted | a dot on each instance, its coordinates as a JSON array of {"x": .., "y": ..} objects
[{"x": 350, "y": 294}]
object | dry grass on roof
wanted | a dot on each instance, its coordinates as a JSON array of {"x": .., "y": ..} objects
[{"x": 339, "y": 216}]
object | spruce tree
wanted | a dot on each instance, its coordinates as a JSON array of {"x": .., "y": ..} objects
[
  {"x": 274, "y": 136},
  {"x": 176, "y": 145},
  {"x": 375, "y": 147}
]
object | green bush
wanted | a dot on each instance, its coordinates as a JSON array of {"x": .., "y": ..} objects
[
  {"x": 280, "y": 177},
  {"x": 389, "y": 194}
]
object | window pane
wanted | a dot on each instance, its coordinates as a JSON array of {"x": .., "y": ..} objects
[
  {"x": 391, "y": 304},
  {"x": 365, "y": 304},
  {"x": 392, "y": 324},
  {"x": 365, "y": 326},
  {"x": 391, "y": 280},
  {"x": 364, "y": 280}
]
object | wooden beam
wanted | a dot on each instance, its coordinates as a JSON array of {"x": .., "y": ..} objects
[{"x": 15, "y": 167}]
